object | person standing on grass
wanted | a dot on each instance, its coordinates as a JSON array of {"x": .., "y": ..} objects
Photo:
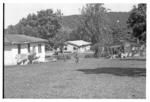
[
  {"x": 64, "y": 57},
  {"x": 76, "y": 57}
]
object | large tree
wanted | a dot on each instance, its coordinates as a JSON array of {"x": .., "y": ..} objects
[
  {"x": 45, "y": 24},
  {"x": 137, "y": 22},
  {"x": 95, "y": 23}
]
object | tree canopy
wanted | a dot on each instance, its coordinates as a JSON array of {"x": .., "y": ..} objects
[
  {"x": 45, "y": 24},
  {"x": 137, "y": 22},
  {"x": 95, "y": 23},
  {"x": 94, "y": 27}
]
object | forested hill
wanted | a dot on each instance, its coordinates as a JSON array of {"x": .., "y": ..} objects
[
  {"x": 73, "y": 20},
  {"x": 121, "y": 16}
]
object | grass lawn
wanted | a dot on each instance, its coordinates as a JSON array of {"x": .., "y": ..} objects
[{"x": 90, "y": 78}]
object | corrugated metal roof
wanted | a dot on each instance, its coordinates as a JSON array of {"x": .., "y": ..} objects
[
  {"x": 19, "y": 38},
  {"x": 79, "y": 42}
]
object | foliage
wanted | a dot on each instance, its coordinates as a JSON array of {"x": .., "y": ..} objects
[
  {"x": 45, "y": 24},
  {"x": 73, "y": 21},
  {"x": 95, "y": 22},
  {"x": 137, "y": 21},
  {"x": 120, "y": 33},
  {"x": 60, "y": 38},
  {"x": 89, "y": 56},
  {"x": 11, "y": 30},
  {"x": 117, "y": 23},
  {"x": 63, "y": 57},
  {"x": 79, "y": 34},
  {"x": 32, "y": 57},
  {"x": 98, "y": 49},
  {"x": 119, "y": 29}
]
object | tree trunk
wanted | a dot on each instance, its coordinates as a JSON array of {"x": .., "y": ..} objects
[{"x": 98, "y": 52}]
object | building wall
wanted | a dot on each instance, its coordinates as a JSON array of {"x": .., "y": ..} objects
[
  {"x": 11, "y": 51},
  {"x": 42, "y": 54},
  {"x": 84, "y": 49},
  {"x": 70, "y": 48},
  {"x": 8, "y": 56},
  {"x": 24, "y": 48},
  {"x": 14, "y": 54}
]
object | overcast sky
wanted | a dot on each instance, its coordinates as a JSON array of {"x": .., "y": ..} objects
[{"x": 14, "y": 12}]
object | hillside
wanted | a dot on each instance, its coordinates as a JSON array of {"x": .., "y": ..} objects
[
  {"x": 73, "y": 21},
  {"x": 121, "y": 16}
]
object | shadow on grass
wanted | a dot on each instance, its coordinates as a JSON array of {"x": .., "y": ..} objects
[
  {"x": 131, "y": 72},
  {"x": 133, "y": 59}
]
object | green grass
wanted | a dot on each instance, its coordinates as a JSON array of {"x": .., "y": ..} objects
[{"x": 91, "y": 78}]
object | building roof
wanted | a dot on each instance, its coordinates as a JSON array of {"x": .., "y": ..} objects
[
  {"x": 20, "y": 39},
  {"x": 79, "y": 43}
]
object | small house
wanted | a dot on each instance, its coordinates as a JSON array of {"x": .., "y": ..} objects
[
  {"x": 16, "y": 44},
  {"x": 77, "y": 45}
]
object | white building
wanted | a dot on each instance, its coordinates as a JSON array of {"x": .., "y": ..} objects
[
  {"x": 77, "y": 45},
  {"x": 21, "y": 44}
]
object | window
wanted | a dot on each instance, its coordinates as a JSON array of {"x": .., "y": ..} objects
[
  {"x": 65, "y": 48},
  {"x": 74, "y": 48},
  {"x": 19, "y": 48},
  {"x": 29, "y": 48},
  {"x": 39, "y": 48}
]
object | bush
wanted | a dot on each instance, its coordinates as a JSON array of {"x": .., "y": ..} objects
[
  {"x": 92, "y": 56},
  {"x": 68, "y": 57},
  {"x": 89, "y": 56},
  {"x": 62, "y": 57},
  {"x": 32, "y": 57}
]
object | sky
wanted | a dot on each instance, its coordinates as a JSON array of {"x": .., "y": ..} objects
[{"x": 15, "y": 12}]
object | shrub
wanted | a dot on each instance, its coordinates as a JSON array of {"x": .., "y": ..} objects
[
  {"x": 68, "y": 57},
  {"x": 89, "y": 56},
  {"x": 62, "y": 57},
  {"x": 32, "y": 57},
  {"x": 92, "y": 56}
]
